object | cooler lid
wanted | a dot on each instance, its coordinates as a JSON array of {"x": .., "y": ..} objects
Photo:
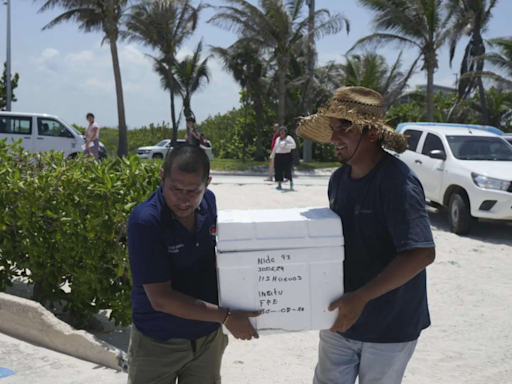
[{"x": 250, "y": 230}]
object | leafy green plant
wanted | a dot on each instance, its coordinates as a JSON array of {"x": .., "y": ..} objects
[{"x": 63, "y": 224}]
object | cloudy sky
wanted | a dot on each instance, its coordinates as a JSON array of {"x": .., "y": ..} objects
[{"x": 68, "y": 73}]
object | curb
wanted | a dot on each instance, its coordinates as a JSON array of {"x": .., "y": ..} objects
[
  {"x": 254, "y": 174},
  {"x": 29, "y": 321}
]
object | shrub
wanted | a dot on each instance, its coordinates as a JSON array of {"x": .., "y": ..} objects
[{"x": 63, "y": 223}]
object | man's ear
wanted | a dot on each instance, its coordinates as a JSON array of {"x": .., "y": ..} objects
[
  {"x": 162, "y": 175},
  {"x": 208, "y": 181}
]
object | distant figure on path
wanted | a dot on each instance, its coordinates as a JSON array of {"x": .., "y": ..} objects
[
  {"x": 388, "y": 243},
  {"x": 282, "y": 155},
  {"x": 92, "y": 138},
  {"x": 194, "y": 135},
  {"x": 176, "y": 332},
  {"x": 271, "y": 159}
]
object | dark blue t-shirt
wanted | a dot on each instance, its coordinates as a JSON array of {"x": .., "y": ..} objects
[
  {"x": 383, "y": 214},
  {"x": 161, "y": 250}
]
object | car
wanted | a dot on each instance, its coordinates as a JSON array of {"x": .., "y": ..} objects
[
  {"x": 487, "y": 128},
  {"x": 468, "y": 171},
  {"x": 159, "y": 150},
  {"x": 41, "y": 133},
  {"x": 508, "y": 137}
]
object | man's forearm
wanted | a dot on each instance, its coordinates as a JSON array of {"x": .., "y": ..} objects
[
  {"x": 184, "y": 306},
  {"x": 403, "y": 268}
]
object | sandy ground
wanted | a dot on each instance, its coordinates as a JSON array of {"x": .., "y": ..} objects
[{"x": 470, "y": 290}]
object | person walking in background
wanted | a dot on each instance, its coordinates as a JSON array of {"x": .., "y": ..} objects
[
  {"x": 92, "y": 138},
  {"x": 271, "y": 159},
  {"x": 388, "y": 243},
  {"x": 176, "y": 332},
  {"x": 282, "y": 156},
  {"x": 194, "y": 135}
]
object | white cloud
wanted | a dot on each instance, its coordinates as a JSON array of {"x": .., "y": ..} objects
[
  {"x": 69, "y": 84},
  {"x": 49, "y": 53},
  {"x": 83, "y": 56}
]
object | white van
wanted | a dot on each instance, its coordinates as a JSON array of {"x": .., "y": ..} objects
[{"x": 41, "y": 133}]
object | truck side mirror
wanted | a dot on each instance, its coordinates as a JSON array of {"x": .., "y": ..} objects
[{"x": 437, "y": 154}]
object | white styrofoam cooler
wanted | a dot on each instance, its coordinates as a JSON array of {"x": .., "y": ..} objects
[{"x": 287, "y": 262}]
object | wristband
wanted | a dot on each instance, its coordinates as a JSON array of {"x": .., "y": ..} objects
[{"x": 228, "y": 315}]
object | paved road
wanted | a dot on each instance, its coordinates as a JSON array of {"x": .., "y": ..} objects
[{"x": 244, "y": 180}]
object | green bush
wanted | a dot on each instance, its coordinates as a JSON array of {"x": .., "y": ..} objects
[{"x": 63, "y": 223}]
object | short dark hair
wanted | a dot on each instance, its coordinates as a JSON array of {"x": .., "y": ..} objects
[
  {"x": 90, "y": 114},
  {"x": 188, "y": 158},
  {"x": 191, "y": 119}
]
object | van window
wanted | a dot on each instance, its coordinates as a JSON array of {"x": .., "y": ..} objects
[
  {"x": 432, "y": 143},
  {"x": 413, "y": 139},
  {"x": 16, "y": 125},
  {"x": 52, "y": 128}
]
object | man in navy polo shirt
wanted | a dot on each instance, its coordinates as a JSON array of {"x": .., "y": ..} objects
[
  {"x": 176, "y": 332},
  {"x": 388, "y": 244}
]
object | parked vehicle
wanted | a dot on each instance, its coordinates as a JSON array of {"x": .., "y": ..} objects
[
  {"x": 487, "y": 128},
  {"x": 42, "y": 133},
  {"x": 508, "y": 137},
  {"x": 159, "y": 151},
  {"x": 468, "y": 171}
]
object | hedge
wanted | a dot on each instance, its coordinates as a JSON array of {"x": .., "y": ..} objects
[{"x": 63, "y": 223}]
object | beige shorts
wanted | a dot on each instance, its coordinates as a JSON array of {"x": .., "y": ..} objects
[{"x": 162, "y": 362}]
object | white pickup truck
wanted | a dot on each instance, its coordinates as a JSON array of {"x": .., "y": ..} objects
[{"x": 467, "y": 170}]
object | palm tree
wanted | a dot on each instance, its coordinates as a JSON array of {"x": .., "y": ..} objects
[
  {"x": 244, "y": 61},
  {"x": 499, "y": 107},
  {"x": 191, "y": 74},
  {"x": 277, "y": 29},
  {"x": 420, "y": 24},
  {"x": 471, "y": 18},
  {"x": 98, "y": 16},
  {"x": 501, "y": 61},
  {"x": 371, "y": 70},
  {"x": 164, "y": 25}
]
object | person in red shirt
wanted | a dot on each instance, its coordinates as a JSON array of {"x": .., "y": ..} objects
[{"x": 271, "y": 161}]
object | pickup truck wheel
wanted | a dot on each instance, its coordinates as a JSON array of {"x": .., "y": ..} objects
[
  {"x": 158, "y": 156},
  {"x": 459, "y": 214}
]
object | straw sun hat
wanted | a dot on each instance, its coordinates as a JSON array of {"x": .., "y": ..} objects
[{"x": 363, "y": 107}]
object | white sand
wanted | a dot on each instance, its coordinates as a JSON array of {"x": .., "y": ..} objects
[{"x": 470, "y": 294}]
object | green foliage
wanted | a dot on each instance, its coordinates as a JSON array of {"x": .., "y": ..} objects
[
  {"x": 499, "y": 108},
  {"x": 226, "y": 132},
  {"x": 3, "y": 88},
  {"x": 63, "y": 223},
  {"x": 446, "y": 110}
]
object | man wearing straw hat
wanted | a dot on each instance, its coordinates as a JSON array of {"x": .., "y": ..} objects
[{"x": 388, "y": 243}]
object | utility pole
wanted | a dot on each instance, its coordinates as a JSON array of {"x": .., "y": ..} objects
[
  {"x": 308, "y": 146},
  {"x": 8, "y": 83}
]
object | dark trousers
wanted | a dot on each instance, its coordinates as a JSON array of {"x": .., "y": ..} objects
[{"x": 283, "y": 165}]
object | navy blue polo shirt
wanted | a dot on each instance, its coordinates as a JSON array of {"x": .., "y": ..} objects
[
  {"x": 161, "y": 249},
  {"x": 383, "y": 214}
]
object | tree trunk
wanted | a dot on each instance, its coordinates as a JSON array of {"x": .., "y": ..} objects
[
  {"x": 187, "y": 111},
  {"x": 173, "y": 118},
  {"x": 244, "y": 130},
  {"x": 258, "y": 111},
  {"x": 430, "y": 90},
  {"x": 483, "y": 102},
  {"x": 283, "y": 66},
  {"x": 122, "y": 149}
]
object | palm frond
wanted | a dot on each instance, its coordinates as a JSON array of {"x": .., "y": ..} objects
[{"x": 378, "y": 40}]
